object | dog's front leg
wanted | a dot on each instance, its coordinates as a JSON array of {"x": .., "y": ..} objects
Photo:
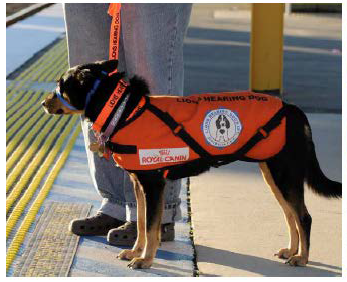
[
  {"x": 139, "y": 245},
  {"x": 153, "y": 187}
]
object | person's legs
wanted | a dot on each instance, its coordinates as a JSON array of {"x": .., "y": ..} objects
[
  {"x": 153, "y": 48},
  {"x": 152, "y": 35},
  {"x": 88, "y": 31}
]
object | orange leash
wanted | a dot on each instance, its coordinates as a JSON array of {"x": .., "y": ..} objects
[{"x": 114, "y": 12}]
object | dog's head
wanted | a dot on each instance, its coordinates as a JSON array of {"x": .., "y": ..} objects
[
  {"x": 73, "y": 87},
  {"x": 222, "y": 123}
]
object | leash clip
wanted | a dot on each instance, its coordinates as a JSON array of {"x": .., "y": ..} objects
[{"x": 100, "y": 145}]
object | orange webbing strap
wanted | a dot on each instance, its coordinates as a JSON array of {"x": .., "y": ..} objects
[
  {"x": 110, "y": 105},
  {"x": 137, "y": 108},
  {"x": 114, "y": 12}
]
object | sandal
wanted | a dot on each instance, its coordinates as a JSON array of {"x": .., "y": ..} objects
[
  {"x": 99, "y": 224},
  {"x": 126, "y": 234}
]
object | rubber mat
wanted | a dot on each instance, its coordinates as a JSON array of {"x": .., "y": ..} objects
[{"x": 51, "y": 247}]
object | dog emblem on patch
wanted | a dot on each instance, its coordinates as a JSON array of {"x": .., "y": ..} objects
[{"x": 221, "y": 127}]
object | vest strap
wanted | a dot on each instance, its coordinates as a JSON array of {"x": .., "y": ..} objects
[
  {"x": 179, "y": 131},
  {"x": 121, "y": 149},
  {"x": 110, "y": 105},
  {"x": 262, "y": 133},
  {"x": 216, "y": 161}
]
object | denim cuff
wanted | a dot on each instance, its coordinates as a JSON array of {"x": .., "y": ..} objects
[{"x": 128, "y": 212}]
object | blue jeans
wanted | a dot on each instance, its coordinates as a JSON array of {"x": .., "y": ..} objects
[{"x": 151, "y": 46}]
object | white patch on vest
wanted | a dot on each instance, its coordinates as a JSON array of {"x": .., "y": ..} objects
[
  {"x": 169, "y": 155},
  {"x": 221, "y": 127}
]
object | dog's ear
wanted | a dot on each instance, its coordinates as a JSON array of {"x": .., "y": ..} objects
[
  {"x": 218, "y": 122},
  {"x": 227, "y": 122},
  {"x": 107, "y": 66}
]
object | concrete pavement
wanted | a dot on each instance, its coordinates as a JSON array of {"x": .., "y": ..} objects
[
  {"x": 27, "y": 37},
  {"x": 237, "y": 223},
  {"x": 217, "y": 55}
]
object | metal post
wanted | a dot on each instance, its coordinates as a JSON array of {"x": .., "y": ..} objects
[{"x": 266, "y": 58}]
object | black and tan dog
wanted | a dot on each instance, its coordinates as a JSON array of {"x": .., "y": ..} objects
[{"x": 285, "y": 172}]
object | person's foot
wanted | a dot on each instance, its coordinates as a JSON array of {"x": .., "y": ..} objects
[
  {"x": 99, "y": 224},
  {"x": 126, "y": 234}
]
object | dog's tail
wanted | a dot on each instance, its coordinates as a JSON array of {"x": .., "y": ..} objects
[{"x": 315, "y": 178}]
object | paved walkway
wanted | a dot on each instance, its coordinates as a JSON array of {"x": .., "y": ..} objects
[
  {"x": 237, "y": 223},
  {"x": 237, "y": 236},
  {"x": 217, "y": 55}
]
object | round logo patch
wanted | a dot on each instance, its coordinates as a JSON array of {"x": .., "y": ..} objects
[{"x": 221, "y": 127}]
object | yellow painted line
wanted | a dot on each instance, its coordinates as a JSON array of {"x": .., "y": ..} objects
[
  {"x": 56, "y": 75},
  {"x": 14, "y": 90},
  {"x": 32, "y": 127},
  {"x": 30, "y": 217},
  {"x": 41, "y": 169},
  {"x": 48, "y": 65},
  {"x": 28, "y": 156},
  {"x": 19, "y": 122},
  {"x": 47, "y": 56},
  {"x": 60, "y": 68},
  {"x": 16, "y": 99},
  {"x": 26, "y": 170},
  {"x": 47, "y": 76},
  {"x": 21, "y": 107},
  {"x": 27, "y": 74}
]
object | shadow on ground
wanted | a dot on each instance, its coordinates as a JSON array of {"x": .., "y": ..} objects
[{"x": 264, "y": 267}]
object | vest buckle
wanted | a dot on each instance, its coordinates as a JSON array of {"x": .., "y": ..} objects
[
  {"x": 263, "y": 132},
  {"x": 178, "y": 129}
]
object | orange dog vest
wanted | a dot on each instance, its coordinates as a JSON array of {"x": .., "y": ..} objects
[{"x": 166, "y": 132}]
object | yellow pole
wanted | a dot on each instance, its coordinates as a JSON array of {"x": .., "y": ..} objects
[{"x": 266, "y": 58}]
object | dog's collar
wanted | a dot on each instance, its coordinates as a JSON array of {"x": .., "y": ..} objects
[
  {"x": 95, "y": 87},
  {"x": 63, "y": 101}
]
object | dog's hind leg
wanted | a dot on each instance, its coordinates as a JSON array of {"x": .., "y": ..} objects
[
  {"x": 288, "y": 176},
  {"x": 303, "y": 222},
  {"x": 139, "y": 245},
  {"x": 153, "y": 188},
  {"x": 288, "y": 215}
]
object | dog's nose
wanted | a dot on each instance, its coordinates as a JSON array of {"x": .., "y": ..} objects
[{"x": 43, "y": 103}]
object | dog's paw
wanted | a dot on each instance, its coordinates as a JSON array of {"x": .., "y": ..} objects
[
  {"x": 297, "y": 261},
  {"x": 285, "y": 253},
  {"x": 128, "y": 254},
  {"x": 140, "y": 263}
]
